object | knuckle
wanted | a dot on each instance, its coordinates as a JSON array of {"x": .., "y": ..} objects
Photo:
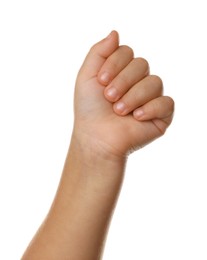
[
  {"x": 144, "y": 63},
  {"x": 123, "y": 80},
  {"x": 156, "y": 81},
  {"x": 171, "y": 103},
  {"x": 127, "y": 50},
  {"x": 93, "y": 48},
  {"x": 113, "y": 65}
]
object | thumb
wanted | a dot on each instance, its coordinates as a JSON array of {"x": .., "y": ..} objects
[{"x": 97, "y": 56}]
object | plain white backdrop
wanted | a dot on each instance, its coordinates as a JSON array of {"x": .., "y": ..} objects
[{"x": 162, "y": 210}]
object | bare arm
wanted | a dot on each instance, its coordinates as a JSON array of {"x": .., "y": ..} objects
[{"x": 119, "y": 107}]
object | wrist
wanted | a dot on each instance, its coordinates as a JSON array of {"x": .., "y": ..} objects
[
  {"x": 93, "y": 166},
  {"x": 93, "y": 150}
]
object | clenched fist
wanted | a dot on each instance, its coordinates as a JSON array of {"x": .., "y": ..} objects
[{"x": 119, "y": 106}]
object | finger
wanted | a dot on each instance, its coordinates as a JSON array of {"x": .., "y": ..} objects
[
  {"x": 147, "y": 89},
  {"x": 114, "y": 64},
  {"x": 135, "y": 71},
  {"x": 98, "y": 55},
  {"x": 160, "y": 110}
]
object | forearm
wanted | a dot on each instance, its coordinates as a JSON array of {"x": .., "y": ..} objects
[{"x": 77, "y": 223}]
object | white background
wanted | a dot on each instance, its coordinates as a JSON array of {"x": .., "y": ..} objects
[{"x": 162, "y": 209}]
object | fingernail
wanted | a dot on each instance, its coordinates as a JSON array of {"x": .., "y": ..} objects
[
  {"x": 138, "y": 113},
  {"x": 105, "y": 77},
  {"x": 112, "y": 93},
  {"x": 120, "y": 107}
]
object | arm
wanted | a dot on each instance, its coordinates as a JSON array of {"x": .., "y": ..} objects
[{"x": 119, "y": 107}]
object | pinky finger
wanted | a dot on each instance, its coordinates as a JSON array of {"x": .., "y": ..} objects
[{"x": 160, "y": 108}]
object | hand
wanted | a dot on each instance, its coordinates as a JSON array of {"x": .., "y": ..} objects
[{"x": 119, "y": 107}]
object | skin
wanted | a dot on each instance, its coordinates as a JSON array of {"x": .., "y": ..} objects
[{"x": 119, "y": 108}]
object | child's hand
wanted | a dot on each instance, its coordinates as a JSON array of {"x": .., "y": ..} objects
[{"x": 119, "y": 107}]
